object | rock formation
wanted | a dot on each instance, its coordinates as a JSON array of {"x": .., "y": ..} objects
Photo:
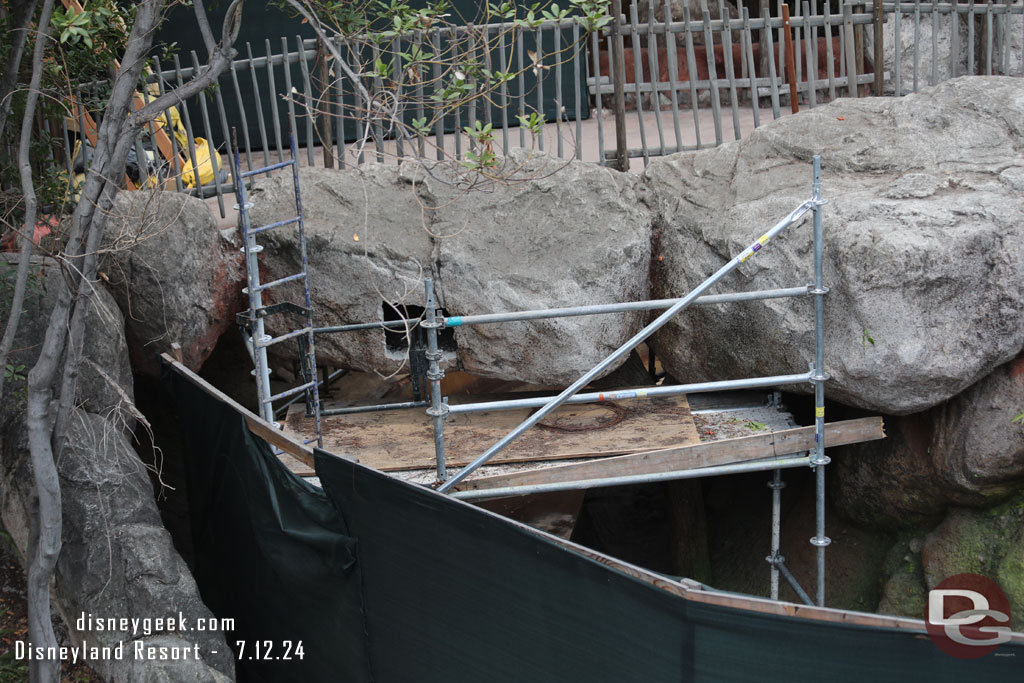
[
  {"x": 117, "y": 559},
  {"x": 551, "y": 234},
  {"x": 923, "y": 235},
  {"x": 175, "y": 276}
]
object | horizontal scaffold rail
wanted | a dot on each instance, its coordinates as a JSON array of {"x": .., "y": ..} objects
[
  {"x": 623, "y": 394},
  {"x": 594, "y": 309}
]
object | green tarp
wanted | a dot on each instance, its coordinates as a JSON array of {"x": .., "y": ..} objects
[{"x": 386, "y": 581}]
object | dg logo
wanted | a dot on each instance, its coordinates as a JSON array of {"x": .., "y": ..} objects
[{"x": 968, "y": 616}]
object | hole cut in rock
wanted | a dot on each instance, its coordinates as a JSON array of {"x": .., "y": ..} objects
[{"x": 396, "y": 340}]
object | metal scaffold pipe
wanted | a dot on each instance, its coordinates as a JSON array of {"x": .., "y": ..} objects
[
  {"x": 776, "y": 485},
  {"x": 259, "y": 334},
  {"x": 820, "y": 540},
  {"x": 621, "y": 352},
  {"x": 598, "y": 309},
  {"x": 713, "y": 471},
  {"x": 435, "y": 374},
  {"x": 595, "y": 309},
  {"x": 625, "y": 394}
]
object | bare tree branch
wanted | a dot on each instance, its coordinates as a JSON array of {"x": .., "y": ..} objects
[
  {"x": 220, "y": 59},
  {"x": 204, "y": 28},
  {"x": 44, "y": 471},
  {"x": 61, "y": 350}
]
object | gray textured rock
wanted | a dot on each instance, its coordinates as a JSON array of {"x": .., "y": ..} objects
[
  {"x": 538, "y": 239},
  {"x": 368, "y": 241},
  {"x": 923, "y": 245},
  {"x": 105, "y": 380},
  {"x": 571, "y": 238},
  {"x": 117, "y": 559},
  {"x": 966, "y": 451},
  {"x": 174, "y": 275}
]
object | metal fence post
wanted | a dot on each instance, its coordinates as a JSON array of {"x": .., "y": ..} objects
[
  {"x": 879, "y": 56},
  {"x": 617, "y": 69}
]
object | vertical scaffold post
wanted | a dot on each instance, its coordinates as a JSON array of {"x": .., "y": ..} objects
[
  {"x": 775, "y": 559},
  {"x": 818, "y": 378},
  {"x": 435, "y": 374},
  {"x": 252, "y": 290},
  {"x": 309, "y": 347}
]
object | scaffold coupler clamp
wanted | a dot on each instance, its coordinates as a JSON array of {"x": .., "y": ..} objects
[
  {"x": 815, "y": 375},
  {"x": 441, "y": 411},
  {"x": 824, "y": 289}
]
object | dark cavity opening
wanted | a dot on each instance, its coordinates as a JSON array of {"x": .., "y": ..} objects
[{"x": 396, "y": 339}]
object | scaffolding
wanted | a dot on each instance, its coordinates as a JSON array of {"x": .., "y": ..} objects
[
  {"x": 437, "y": 408},
  {"x": 252, "y": 321}
]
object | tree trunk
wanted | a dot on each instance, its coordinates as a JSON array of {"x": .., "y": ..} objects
[
  {"x": 48, "y": 414},
  {"x": 43, "y": 557},
  {"x": 22, "y": 18}
]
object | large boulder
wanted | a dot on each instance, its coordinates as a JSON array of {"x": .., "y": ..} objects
[
  {"x": 967, "y": 451},
  {"x": 537, "y": 239},
  {"x": 987, "y": 542},
  {"x": 369, "y": 248},
  {"x": 544, "y": 239},
  {"x": 176, "y": 277},
  {"x": 923, "y": 245},
  {"x": 105, "y": 378}
]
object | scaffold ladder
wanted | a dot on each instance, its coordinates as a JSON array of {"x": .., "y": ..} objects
[{"x": 253, "y": 319}]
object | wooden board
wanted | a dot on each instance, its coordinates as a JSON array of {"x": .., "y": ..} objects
[
  {"x": 403, "y": 439},
  {"x": 259, "y": 427},
  {"x": 692, "y": 456}
]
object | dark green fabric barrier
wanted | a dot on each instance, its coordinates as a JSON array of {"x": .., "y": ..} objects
[{"x": 387, "y": 581}]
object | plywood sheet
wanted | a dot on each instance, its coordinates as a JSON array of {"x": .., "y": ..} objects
[{"x": 403, "y": 439}]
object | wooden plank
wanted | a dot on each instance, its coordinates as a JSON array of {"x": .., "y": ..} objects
[
  {"x": 689, "y": 457},
  {"x": 690, "y": 590},
  {"x": 257, "y": 426},
  {"x": 403, "y": 439}
]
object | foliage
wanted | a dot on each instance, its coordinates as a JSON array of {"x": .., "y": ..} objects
[
  {"x": 82, "y": 52},
  {"x": 415, "y": 65}
]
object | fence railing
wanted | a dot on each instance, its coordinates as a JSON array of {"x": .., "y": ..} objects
[{"x": 731, "y": 73}]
